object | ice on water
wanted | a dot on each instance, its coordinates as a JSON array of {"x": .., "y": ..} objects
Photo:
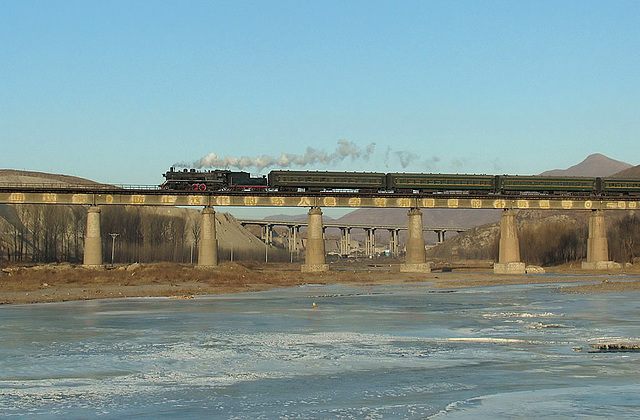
[{"x": 359, "y": 353}]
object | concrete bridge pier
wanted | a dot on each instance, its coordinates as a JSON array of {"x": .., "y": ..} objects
[
  {"x": 345, "y": 241},
  {"x": 293, "y": 238},
  {"x": 208, "y": 246},
  {"x": 93, "y": 239},
  {"x": 597, "y": 244},
  {"x": 267, "y": 234},
  {"x": 370, "y": 241},
  {"x": 315, "y": 259},
  {"x": 415, "y": 260},
  {"x": 509, "y": 252},
  {"x": 393, "y": 242}
]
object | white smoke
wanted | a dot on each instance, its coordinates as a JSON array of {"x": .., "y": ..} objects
[{"x": 345, "y": 150}]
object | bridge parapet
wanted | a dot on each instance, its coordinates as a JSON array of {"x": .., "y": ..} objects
[{"x": 323, "y": 200}]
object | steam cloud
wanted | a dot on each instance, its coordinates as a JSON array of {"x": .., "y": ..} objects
[{"x": 344, "y": 150}]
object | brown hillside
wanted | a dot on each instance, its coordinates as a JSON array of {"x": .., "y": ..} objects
[
  {"x": 594, "y": 165},
  {"x": 631, "y": 173},
  {"x": 481, "y": 242},
  {"x": 15, "y": 177},
  {"x": 430, "y": 217}
]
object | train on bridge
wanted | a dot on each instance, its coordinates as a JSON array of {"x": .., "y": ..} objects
[{"x": 412, "y": 183}]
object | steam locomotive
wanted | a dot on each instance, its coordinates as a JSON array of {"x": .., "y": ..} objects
[
  {"x": 316, "y": 181},
  {"x": 216, "y": 180}
]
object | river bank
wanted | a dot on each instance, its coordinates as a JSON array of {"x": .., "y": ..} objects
[{"x": 63, "y": 282}]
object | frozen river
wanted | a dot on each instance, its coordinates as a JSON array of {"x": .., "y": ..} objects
[{"x": 408, "y": 351}]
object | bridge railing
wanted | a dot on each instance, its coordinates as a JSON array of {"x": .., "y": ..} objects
[
  {"x": 137, "y": 187},
  {"x": 67, "y": 186}
]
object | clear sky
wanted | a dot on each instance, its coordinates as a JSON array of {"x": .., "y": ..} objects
[{"x": 118, "y": 91}]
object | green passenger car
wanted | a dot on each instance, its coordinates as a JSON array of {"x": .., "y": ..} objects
[
  {"x": 321, "y": 180},
  {"x": 620, "y": 186},
  {"x": 512, "y": 183},
  {"x": 439, "y": 182}
]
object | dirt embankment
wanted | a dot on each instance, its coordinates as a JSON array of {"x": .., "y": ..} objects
[{"x": 54, "y": 283}]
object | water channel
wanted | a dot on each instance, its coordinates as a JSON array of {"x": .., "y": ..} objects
[{"x": 409, "y": 351}]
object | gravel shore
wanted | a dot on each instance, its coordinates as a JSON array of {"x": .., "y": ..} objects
[{"x": 63, "y": 282}]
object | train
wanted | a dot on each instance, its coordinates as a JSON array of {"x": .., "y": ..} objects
[{"x": 411, "y": 183}]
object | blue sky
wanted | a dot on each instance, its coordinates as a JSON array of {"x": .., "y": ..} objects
[{"x": 118, "y": 91}]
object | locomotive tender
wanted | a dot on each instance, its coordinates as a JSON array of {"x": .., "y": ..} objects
[{"x": 372, "y": 182}]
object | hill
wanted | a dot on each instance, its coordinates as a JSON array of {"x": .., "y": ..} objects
[
  {"x": 481, "y": 242},
  {"x": 297, "y": 217},
  {"x": 430, "y": 217},
  {"x": 595, "y": 165},
  {"x": 633, "y": 173},
  {"x": 15, "y": 177}
]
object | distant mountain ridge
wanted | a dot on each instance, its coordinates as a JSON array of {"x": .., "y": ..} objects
[
  {"x": 430, "y": 217},
  {"x": 633, "y": 173},
  {"x": 17, "y": 177},
  {"x": 295, "y": 218},
  {"x": 595, "y": 165}
]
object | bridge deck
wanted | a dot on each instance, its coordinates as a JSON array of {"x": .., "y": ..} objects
[{"x": 156, "y": 197}]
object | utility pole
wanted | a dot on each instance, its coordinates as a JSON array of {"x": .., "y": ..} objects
[{"x": 113, "y": 245}]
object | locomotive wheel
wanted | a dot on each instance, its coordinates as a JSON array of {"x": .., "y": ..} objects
[
  {"x": 194, "y": 187},
  {"x": 202, "y": 187}
]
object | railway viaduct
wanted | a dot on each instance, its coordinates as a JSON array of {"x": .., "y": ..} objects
[
  {"x": 293, "y": 228},
  {"x": 509, "y": 253}
]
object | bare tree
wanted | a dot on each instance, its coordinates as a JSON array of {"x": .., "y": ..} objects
[
  {"x": 553, "y": 242},
  {"x": 196, "y": 230},
  {"x": 624, "y": 238}
]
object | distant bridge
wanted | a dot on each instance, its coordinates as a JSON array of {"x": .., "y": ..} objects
[{"x": 294, "y": 226}]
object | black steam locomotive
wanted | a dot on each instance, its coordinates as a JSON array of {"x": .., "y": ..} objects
[
  {"x": 315, "y": 181},
  {"x": 216, "y": 180}
]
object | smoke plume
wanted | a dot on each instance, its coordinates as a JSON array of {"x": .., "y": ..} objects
[{"x": 345, "y": 150}]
